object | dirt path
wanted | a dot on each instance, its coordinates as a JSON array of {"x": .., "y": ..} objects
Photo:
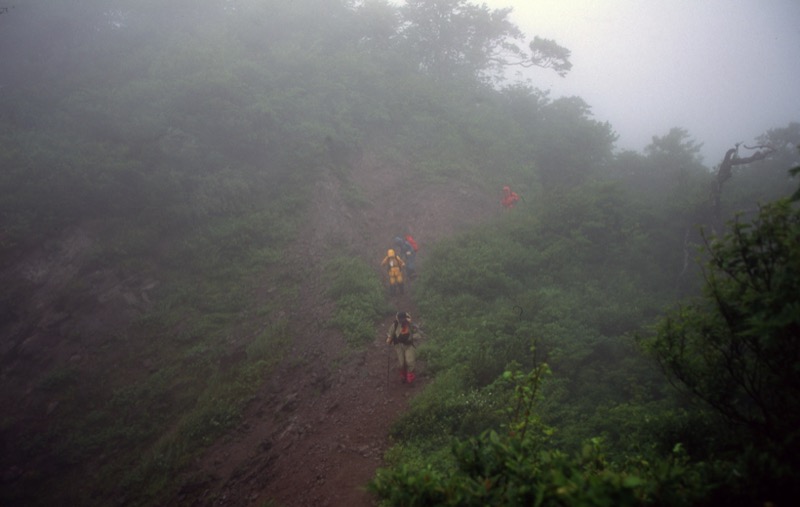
[
  {"x": 317, "y": 431},
  {"x": 315, "y": 434}
]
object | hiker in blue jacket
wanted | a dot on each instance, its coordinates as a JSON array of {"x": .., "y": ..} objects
[{"x": 407, "y": 253}]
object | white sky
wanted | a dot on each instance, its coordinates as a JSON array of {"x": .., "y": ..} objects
[{"x": 725, "y": 70}]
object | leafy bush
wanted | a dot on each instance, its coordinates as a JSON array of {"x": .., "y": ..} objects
[
  {"x": 488, "y": 296},
  {"x": 518, "y": 468},
  {"x": 501, "y": 470}
]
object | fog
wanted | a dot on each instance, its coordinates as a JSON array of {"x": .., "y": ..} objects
[
  {"x": 726, "y": 71},
  {"x": 196, "y": 197}
]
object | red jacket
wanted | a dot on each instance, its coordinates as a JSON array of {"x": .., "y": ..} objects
[
  {"x": 509, "y": 198},
  {"x": 412, "y": 242}
]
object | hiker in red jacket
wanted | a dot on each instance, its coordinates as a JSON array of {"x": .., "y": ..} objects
[{"x": 510, "y": 198}]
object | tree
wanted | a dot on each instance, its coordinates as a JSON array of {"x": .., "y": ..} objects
[
  {"x": 457, "y": 38},
  {"x": 725, "y": 172},
  {"x": 766, "y": 180},
  {"x": 451, "y": 37},
  {"x": 667, "y": 172},
  {"x": 378, "y": 22},
  {"x": 674, "y": 183},
  {"x": 570, "y": 145},
  {"x": 738, "y": 347},
  {"x": 677, "y": 147},
  {"x": 547, "y": 54},
  {"x": 785, "y": 141},
  {"x": 675, "y": 175}
]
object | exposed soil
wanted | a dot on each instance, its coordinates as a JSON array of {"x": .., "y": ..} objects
[{"x": 318, "y": 428}]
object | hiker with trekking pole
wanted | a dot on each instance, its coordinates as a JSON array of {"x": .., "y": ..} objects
[{"x": 402, "y": 335}]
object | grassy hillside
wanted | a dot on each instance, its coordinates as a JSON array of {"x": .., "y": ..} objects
[{"x": 160, "y": 166}]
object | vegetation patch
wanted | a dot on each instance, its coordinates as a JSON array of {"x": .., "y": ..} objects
[{"x": 359, "y": 296}]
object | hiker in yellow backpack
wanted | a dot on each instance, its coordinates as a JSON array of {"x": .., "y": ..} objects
[{"x": 395, "y": 266}]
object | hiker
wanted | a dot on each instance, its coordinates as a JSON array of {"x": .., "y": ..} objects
[
  {"x": 510, "y": 198},
  {"x": 402, "y": 334},
  {"x": 411, "y": 242},
  {"x": 407, "y": 253},
  {"x": 395, "y": 266},
  {"x": 414, "y": 247}
]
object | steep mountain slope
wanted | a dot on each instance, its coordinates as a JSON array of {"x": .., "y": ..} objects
[{"x": 317, "y": 431}]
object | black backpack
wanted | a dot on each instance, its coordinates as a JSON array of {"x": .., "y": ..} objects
[{"x": 404, "y": 339}]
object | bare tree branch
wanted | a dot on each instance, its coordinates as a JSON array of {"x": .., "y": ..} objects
[{"x": 725, "y": 172}]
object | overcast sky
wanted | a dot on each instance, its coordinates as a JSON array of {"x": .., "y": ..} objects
[{"x": 725, "y": 70}]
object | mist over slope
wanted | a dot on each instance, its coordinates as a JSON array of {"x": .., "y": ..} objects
[{"x": 195, "y": 199}]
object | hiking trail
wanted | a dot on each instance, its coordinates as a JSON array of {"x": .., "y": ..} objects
[{"x": 318, "y": 429}]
